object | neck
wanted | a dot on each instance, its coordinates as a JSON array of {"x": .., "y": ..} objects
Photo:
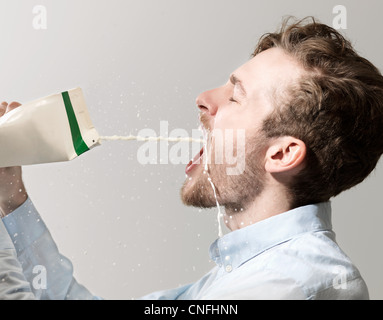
[{"x": 267, "y": 204}]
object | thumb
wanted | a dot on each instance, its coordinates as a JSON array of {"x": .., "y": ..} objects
[
  {"x": 12, "y": 105},
  {"x": 3, "y": 108}
]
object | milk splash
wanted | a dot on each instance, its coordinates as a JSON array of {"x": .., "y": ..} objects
[
  {"x": 159, "y": 138},
  {"x": 207, "y": 153}
]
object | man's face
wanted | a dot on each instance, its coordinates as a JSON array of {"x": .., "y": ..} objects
[{"x": 242, "y": 104}]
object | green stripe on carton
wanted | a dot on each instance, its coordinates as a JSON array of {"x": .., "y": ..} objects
[{"x": 78, "y": 143}]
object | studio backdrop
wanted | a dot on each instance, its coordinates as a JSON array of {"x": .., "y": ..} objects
[{"x": 115, "y": 211}]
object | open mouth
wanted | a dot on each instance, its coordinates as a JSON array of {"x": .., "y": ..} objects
[
  {"x": 198, "y": 158},
  {"x": 195, "y": 161}
]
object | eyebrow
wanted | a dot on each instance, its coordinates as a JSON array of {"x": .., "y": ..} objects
[{"x": 235, "y": 81}]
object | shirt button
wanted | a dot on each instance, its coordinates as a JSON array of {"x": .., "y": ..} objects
[{"x": 228, "y": 268}]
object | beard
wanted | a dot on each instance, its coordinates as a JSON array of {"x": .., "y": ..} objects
[{"x": 233, "y": 191}]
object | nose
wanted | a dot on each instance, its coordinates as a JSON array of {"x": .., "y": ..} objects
[{"x": 207, "y": 102}]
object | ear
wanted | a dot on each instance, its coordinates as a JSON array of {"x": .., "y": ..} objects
[{"x": 285, "y": 154}]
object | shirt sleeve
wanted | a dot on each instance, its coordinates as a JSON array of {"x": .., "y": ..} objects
[
  {"x": 169, "y": 294},
  {"x": 49, "y": 273},
  {"x": 34, "y": 267},
  {"x": 13, "y": 285}
]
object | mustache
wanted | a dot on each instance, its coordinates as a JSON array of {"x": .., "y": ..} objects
[{"x": 205, "y": 120}]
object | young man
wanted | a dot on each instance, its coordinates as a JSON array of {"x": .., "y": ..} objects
[{"x": 312, "y": 111}]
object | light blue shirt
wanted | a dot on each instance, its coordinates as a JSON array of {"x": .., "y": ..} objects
[{"x": 292, "y": 255}]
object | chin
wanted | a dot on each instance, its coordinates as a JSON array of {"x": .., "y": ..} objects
[{"x": 197, "y": 192}]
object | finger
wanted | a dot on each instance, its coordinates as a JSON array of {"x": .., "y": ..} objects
[
  {"x": 12, "y": 105},
  {"x": 3, "y": 108}
]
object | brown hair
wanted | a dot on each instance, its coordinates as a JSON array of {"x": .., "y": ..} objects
[{"x": 336, "y": 109}]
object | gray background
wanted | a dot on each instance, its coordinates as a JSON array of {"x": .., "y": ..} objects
[{"x": 139, "y": 62}]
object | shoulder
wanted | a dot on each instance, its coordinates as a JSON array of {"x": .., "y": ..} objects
[{"x": 318, "y": 266}]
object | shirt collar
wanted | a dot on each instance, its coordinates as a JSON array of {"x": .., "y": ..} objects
[{"x": 237, "y": 247}]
